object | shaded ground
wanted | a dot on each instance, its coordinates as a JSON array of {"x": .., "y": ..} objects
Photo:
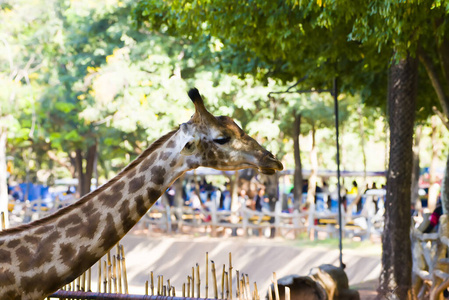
[{"x": 174, "y": 256}]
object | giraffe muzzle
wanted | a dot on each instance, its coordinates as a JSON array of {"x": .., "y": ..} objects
[{"x": 269, "y": 165}]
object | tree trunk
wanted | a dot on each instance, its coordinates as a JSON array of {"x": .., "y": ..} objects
[
  {"x": 415, "y": 166},
  {"x": 434, "y": 187},
  {"x": 314, "y": 169},
  {"x": 445, "y": 189},
  {"x": 85, "y": 174},
  {"x": 395, "y": 277},
  {"x": 3, "y": 179},
  {"x": 362, "y": 142},
  {"x": 297, "y": 175}
]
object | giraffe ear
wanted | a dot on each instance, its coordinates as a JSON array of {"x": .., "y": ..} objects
[{"x": 190, "y": 147}]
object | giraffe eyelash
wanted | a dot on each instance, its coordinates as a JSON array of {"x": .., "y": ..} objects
[{"x": 222, "y": 140}]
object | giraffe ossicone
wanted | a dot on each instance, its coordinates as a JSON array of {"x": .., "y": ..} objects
[{"x": 38, "y": 258}]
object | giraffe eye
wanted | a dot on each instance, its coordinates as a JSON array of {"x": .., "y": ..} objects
[{"x": 222, "y": 140}]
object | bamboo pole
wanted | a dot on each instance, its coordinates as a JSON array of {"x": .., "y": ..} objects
[
  {"x": 99, "y": 277},
  {"x": 188, "y": 286},
  {"x": 152, "y": 283},
  {"x": 125, "y": 277},
  {"x": 193, "y": 282},
  {"x": 83, "y": 282},
  {"x": 287, "y": 293},
  {"x": 119, "y": 269},
  {"x": 214, "y": 280},
  {"x": 276, "y": 288},
  {"x": 248, "y": 288},
  {"x": 114, "y": 273},
  {"x": 222, "y": 281},
  {"x": 146, "y": 287},
  {"x": 226, "y": 285},
  {"x": 89, "y": 280},
  {"x": 173, "y": 291},
  {"x": 256, "y": 291},
  {"x": 230, "y": 275},
  {"x": 109, "y": 272},
  {"x": 3, "y": 221},
  {"x": 237, "y": 284},
  {"x": 198, "y": 281},
  {"x": 168, "y": 287},
  {"x": 184, "y": 290},
  {"x": 105, "y": 275},
  {"x": 270, "y": 293},
  {"x": 207, "y": 274}
]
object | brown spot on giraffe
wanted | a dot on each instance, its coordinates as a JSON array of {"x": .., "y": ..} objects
[
  {"x": 173, "y": 163},
  {"x": 125, "y": 216},
  {"x": 171, "y": 144},
  {"x": 5, "y": 257},
  {"x": 135, "y": 184},
  {"x": 158, "y": 173},
  {"x": 72, "y": 219},
  {"x": 13, "y": 244},
  {"x": 109, "y": 233},
  {"x": 153, "y": 194},
  {"x": 38, "y": 255},
  {"x": 30, "y": 284},
  {"x": 67, "y": 252},
  {"x": 164, "y": 155},
  {"x": 7, "y": 276},
  {"x": 118, "y": 187},
  {"x": 141, "y": 208}
]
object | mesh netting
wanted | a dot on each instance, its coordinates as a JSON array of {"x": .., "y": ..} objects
[{"x": 395, "y": 279}]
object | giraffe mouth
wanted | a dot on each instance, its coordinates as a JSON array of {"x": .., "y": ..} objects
[{"x": 269, "y": 165}]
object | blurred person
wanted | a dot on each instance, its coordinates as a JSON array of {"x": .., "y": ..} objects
[{"x": 259, "y": 199}]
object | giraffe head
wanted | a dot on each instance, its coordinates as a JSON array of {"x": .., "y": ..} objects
[{"x": 219, "y": 143}]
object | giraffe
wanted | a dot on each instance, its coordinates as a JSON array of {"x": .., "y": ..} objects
[{"x": 38, "y": 258}]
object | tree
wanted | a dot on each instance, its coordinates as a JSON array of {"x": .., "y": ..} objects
[{"x": 321, "y": 40}]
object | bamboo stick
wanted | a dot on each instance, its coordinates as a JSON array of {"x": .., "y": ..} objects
[
  {"x": 248, "y": 288},
  {"x": 256, "y": 291},
  {"x": 109, "y": 272},
  {"x": 214, "y": 280},
  {"x": 89, "y": 280},
  {"x": 198, "y": 280},
  {"x": 168, "y": 287},
  {"x": 125, "y": 277},
  {"x": 207, "y": 274},
  {"x": 222, "y": 281},
  {"x": 193, "y": 282},
  {"x": 78, "y": 283},
  {"x": 270, "y": 293},
  {"x": 119, "y": 269},
  {"x": 226, "y": 285},
  {"x": 3, "y": 221},
  {"x": 114, "y": 273},
  {"x": 287, "y": 293},
  {"x": 188, "y": 286},
  {"x": 276, "y": 288},
  {"x": 83, "y": 282},
  {"x": 146, "y": 288},
  {"x": 237, "y": 284},
  {"x": 173, "y": 291},
  {"x": 184, "y": 290},
  {"x": 152, "y": 283},
  {"x": 99, "y": 277},
  {"x": 105, "y": 274},
  {"x": 230, "y": 275}
]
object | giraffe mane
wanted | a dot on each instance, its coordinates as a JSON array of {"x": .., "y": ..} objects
[{"x": 154, "y": 146}]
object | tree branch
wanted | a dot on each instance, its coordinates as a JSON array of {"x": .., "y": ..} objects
[
  {"x": 443, "y": 118},
  {"x": 436, "y": 83}
]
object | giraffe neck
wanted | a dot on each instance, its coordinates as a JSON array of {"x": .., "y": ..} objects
[{"x": 38, "y": 258}]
